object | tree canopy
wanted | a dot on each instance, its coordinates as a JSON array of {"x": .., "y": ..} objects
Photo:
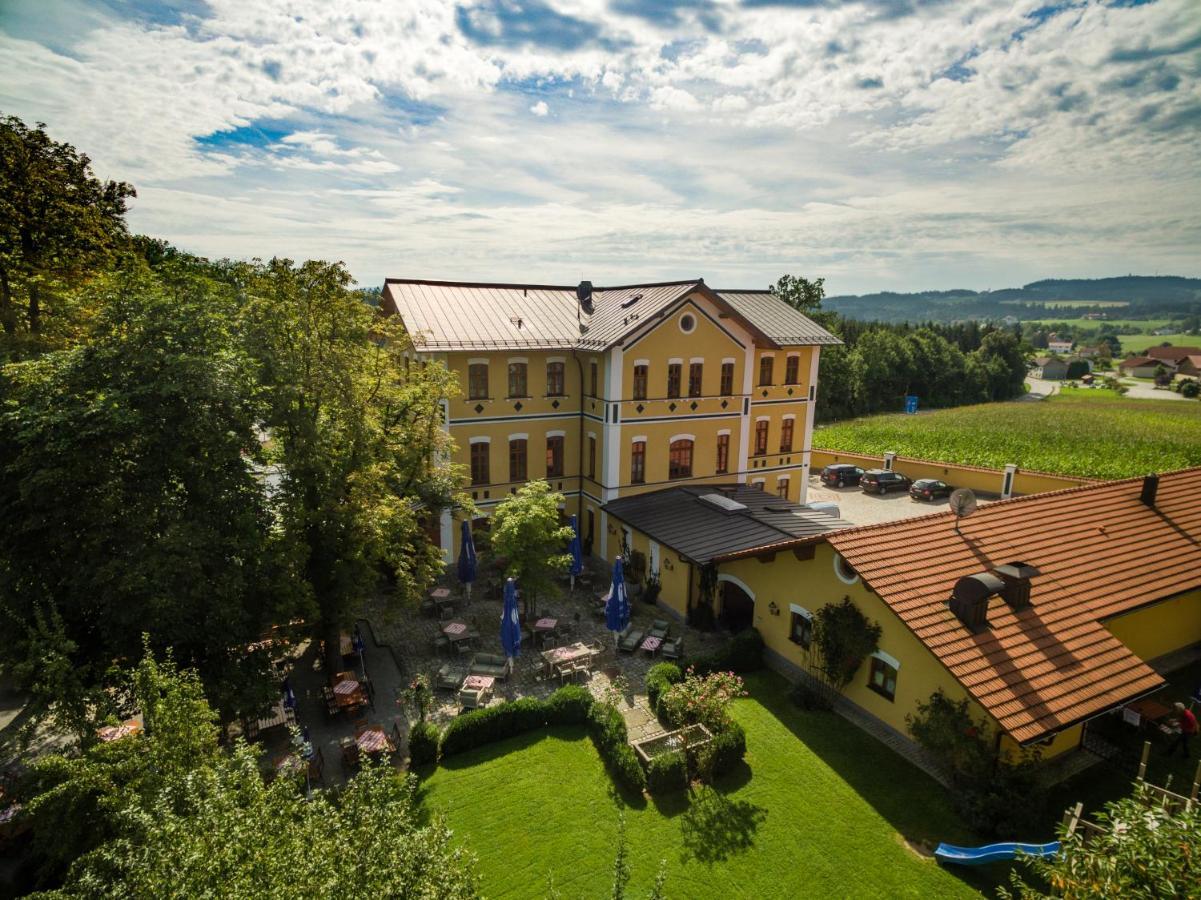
[
  {"x": 58, "y": 223},
  {"x": 528, "y": 533}
]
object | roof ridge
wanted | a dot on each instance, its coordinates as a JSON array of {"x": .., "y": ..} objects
[{"x": 539, "y": 287}]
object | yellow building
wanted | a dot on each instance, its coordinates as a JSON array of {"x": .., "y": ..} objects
[
  {"x": 613, "y": 391},
  {"x": 1044, "y": 612}
]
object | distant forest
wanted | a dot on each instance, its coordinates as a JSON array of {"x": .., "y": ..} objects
[{"x": 1145, "y": 296}]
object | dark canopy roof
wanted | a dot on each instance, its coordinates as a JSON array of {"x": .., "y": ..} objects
[{"x": 688, "y": 520}]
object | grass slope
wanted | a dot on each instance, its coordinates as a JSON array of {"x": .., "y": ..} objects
[
  {"x": 1137, "y": 343},
  {"x": 818, "y": 811},
  {"x": 1089, "y": 433}
]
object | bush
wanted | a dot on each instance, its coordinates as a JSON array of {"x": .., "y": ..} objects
[
  {"x": 569, "y": 705},
  {"x": 743, "y": 653},
  {"x": 667, "y": 772},
  {"x": 659, "y": 678},
  {"x": 483, "y": 726},
  {"x": 727, "y": 749},
  {"x": 607, "y": 729},
  {"x": 423, "y": 743}
]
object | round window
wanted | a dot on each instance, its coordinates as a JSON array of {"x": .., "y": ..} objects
[
  {"x": 844, "y": 570},
  {"x": 687, "y": 323}
]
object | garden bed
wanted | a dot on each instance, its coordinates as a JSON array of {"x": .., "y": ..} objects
[{"x": 690, "y": 737}]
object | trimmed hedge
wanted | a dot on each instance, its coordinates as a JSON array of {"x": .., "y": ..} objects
[
  {"x": 423, "y": 743},
  {"x": 493, "y": 723},
  {"x": 743, "y": 653},
  {"x": 667, "y": 772},
  {"x": 568, "y": 705},
  {"x": 659, "y": 678},
  {"x": 727, "y": 749},
  {"x": 607, "y": 729}
]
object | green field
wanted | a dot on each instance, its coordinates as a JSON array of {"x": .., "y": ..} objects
[
  {"x": 1068, "y": 304},
  {"x": 1137, "y": 343},
  {"x": 1144, "y": 324},
  {"x": 1088, "y": 433},
  {"x": 819, "y": 810}
]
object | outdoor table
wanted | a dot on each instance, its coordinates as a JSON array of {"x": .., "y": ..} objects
[
  {"x": 545, "y": 626},
  {"x": 438, "y": 594},
  {"x": 289, "y": 764},
  {"x": 374, "y": 740},
  {"x": 1149, "y": 711},
  {"x": 651, "y": 645},
  {"x": 279, "y": 715},
  {"x": 345, "y": 644},
  {"x": 476, "y": 688},
  {"x": 567, "y": 654},
  {"x": 456, "y": 631},
  {"x": 116, "y": 732},
  {"x": 347, "y": 690}
]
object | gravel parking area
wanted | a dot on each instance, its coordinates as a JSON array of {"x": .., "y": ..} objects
[{"x": 872, "y": 509}]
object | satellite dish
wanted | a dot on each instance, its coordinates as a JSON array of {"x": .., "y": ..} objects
[{"x": 963, "y": 503}]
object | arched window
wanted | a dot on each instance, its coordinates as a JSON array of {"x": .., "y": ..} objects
[{"x": 680, "y": 461}]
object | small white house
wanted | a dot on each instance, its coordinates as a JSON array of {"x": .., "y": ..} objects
[{"x": 1059, "y": 346}]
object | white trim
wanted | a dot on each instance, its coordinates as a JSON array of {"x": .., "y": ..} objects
[
  {"x": 480, "y": 440},
  {"x": 682, "y": 437},
  {"x": 642, "y": 362},
  {"x": 759, "y": 482},
  {"x": 653, "y": 556},
  {"x": 675, "y": 361},
  {"x": 562, "y": 434},
  {"x": 639, "y": 437},
  {"x": 478, "y": 361},
  {"x": 788, "y": 416},
  {"x": 559, "y": 359},
  {"x": 792, "y": 353},
  {"x": 837, "y": 572},
  {"x": 771, "y": 353},
  {"x": 519, "y": 436},
  {"x": 604, "y": 534},
  {"x": 729, "y": 359},
  {"x": 807, "y": 437},
  {"x": 722, "y": 576},
  {"x": 611, "y": 458},
  {"x": 723, "y": 431},
  {"x": 744, "y": 420},
  {"x": 518, "y": 359},
  {"x": 446, "y": 534},
  {"x": 680, "y": 321},
  {"x": 696, "y": 359},
  {"x": 800, "y": 611},
  {"x": 888, "y": 659},
  {"x": 762, "y": 418}
]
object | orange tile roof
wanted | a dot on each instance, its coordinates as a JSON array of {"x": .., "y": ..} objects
[{"x": 1100, "y": 552}]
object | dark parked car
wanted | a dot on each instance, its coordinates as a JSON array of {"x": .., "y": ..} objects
[
  {"x": 841, "y": 474},
  {"x": 929, "y": 489},
  {"x": 881, "y": 481}
]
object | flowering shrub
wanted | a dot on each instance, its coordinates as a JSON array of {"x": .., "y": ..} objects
[{"x": 701, "y": 698}]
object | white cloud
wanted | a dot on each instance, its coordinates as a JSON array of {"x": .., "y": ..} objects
[{"x": 963, "y": 144}]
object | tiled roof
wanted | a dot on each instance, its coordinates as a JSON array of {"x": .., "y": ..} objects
[
  {"x": 1136, "y": 361},
  {"x": 444, "y": 315},
  {"x": 1175, "y": 353},
  {"x": 1100, "y": 550},
  {"x": 680, "y": 518}
]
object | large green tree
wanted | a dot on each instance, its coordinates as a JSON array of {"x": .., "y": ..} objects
[
  {"x": 59, "y": 223},
  {"x": 528, "y": 532},
  {"x": 170, "y": 814},
  {"x": 356, "y": 433},
  {"x": 130, "y": 501},
  {"x": 800, "y": 293}
]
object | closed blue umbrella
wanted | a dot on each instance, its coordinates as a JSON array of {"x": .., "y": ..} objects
[
  {"x": 617, "y": 606},
  {"x": 356, "y": 642},
  {"x": 467, "y": 567},
  {"x": 289, "y": 695},
  {"x": 576, "y": 551},
  {"x": 510, "y": 622}
]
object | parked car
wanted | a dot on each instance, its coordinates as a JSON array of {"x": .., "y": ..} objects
[
  {"x": 929, "y": 489},
  {"x": 881, "y": 481},
  {"x": 841, "y": 475}
]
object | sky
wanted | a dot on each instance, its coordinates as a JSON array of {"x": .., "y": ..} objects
[{"x": 882, "y": 144}]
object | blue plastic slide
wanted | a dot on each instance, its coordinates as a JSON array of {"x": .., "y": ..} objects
[{"x": 975, "y": 856}]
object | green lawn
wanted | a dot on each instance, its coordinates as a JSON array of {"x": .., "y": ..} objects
[
  {"x": 1087, "y": 432},
  {"x": 1137, "y": 343},
  {"x": 819, "y": 810}
]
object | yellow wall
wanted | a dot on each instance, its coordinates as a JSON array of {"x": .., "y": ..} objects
[
  {"x": 1064, "y": 742},
  {"x": 1160, "y": 628},
  {"x": 977, "y": 478},
  {"x": 673, "y": 571}
]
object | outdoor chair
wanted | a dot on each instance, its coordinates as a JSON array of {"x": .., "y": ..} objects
[
  {"x": 350, "y": 754},
  {"x": 463, "y": 647},
  {"x": 331, "y": 701},
  {"x": 660, "y": 628},
  {"x": 448, "y": 679},
  {"x": 631, "y": 640},
  {"x": 581, "y": 668},
  {"x": 672, "y": 649},
  {"x": 441, "y": 642},
  {"x": 429, "y": 607}
]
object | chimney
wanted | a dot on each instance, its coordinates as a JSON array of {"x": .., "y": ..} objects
[
  {"x": 1150, "y": 488},
  {"x": 969, "y": 599},
  {"x": 583, "y": 293},
  {"x": 1016, "y": 576}
]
